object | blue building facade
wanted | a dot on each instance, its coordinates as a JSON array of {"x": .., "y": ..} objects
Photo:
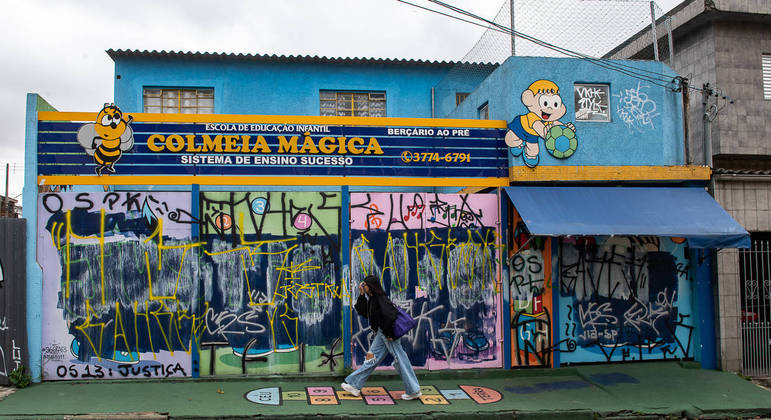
[
  {"x": 288, "y": 85},
  {"x": 222, "y": 223},
  {"x": 620, "y": 120}
]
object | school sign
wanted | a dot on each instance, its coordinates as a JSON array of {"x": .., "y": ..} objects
[{"x": 402, "y": 149}]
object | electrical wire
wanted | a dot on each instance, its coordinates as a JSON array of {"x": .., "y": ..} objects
[
  {"x": 614, "y": 66},
  {"x": 656, "y": 78},
  {"x": 443, "y": 14},
  {"x": 633, "y": 71},
  {"x": 13, "y": 167},
  {"x": 535, "y": 40}
]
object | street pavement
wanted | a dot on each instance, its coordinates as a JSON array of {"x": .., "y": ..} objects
[{"x": 652, "y": 390}]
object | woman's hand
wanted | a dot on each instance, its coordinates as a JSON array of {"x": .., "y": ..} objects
[{"x": 390, "y": 339}]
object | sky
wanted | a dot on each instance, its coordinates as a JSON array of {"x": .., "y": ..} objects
[{"x": 56, "y": 48}]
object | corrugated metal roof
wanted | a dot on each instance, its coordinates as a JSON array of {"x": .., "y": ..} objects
[
  {"x": 114, "y": 54},
  {"x": 753, "y": 172}
]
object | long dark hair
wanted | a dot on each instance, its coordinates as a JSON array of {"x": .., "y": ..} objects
[{"x": 374, "y": 285}]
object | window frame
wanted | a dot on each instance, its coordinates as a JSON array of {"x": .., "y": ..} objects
[
  {"x": 373, "y": 97},
  {"x": 484, "y": 109},
  {"x": 460, "y": 97},
  {"x": 606, "y": 90},
  {"x": 199, "y": 94},
  {"x": 765, "y": 70}
]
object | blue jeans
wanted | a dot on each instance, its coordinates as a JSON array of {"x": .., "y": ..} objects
[{"x": 402, "y": 363}]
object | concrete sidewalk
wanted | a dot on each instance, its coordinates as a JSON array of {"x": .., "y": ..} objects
[{"x": 638, "y": 390}]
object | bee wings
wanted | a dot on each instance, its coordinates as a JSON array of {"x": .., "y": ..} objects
[
  {"x": 89, "y": 139},
  {"x": 86, "y": 135},
  {"x": 127, "y": 139}
]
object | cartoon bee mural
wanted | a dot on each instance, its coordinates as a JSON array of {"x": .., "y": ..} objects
[{"x": 107, "y": 138}]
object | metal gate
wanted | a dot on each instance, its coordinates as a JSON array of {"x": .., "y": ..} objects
[
  {"x": 13, "y": 297},
  {"x": 755, "y": 274}
]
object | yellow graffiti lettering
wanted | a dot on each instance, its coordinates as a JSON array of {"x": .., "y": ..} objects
[
  {"x": 161, "y": 327},
  {"x": 146, "y": 315},
  {"x": 87, "y": 325},
  {"x": 119, "y": 322}
]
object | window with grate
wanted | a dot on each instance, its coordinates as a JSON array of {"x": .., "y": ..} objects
[
  {"x": 483, "y": 112},
  {"x": 178, "y": 101},
  {"x": 460, "y": 97},
  {"x": 352, "y": 104},
  {"x": 591, "y": 102},
  {"x": 766, "y": 62}
]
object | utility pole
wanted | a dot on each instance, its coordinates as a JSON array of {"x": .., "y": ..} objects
[
  {"x": 511, "y": 15},
  {"x": 683, "y": 88},
  {"x": 653, "y": 30},
  {"x": 7, "y": 203},
  {"x": 670, "y": 42},
  {"x": 709, "y": 114}
]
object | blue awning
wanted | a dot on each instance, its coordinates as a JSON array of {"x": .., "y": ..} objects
[{"x": 688, "y": 213}]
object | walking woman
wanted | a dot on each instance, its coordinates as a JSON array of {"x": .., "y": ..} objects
[{"x": 374, "y": 305}]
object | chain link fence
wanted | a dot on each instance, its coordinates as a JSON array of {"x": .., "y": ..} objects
[{"x": 585, "y": 27}]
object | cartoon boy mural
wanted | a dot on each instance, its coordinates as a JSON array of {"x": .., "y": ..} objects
[{"x": 543, "y": 101}]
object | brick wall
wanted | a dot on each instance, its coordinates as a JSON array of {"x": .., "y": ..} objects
[
  {"x": 743, "y": 127},
  {"x": 694, "y": 58},
  {"x": 728, "y": 318}
]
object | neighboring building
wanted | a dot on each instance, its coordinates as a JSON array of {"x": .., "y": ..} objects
[
  {"x": 9, "y": 207},
  {"x": 222, "y": 212},
  {"x": 726, "y": 44}
]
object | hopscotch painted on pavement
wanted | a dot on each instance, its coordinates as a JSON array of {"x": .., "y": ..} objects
[{"x": 374, "y": 395}]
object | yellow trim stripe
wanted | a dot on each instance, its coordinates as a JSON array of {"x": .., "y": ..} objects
[
  {"x": 280, "y": 119},
  {"x": 608, "y": 173},
  {"x": 268, "y": 180},
  {"x": 471, "y": 190}
]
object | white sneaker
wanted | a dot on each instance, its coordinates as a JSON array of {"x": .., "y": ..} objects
[
  {"x": 355, "y": 392},
  {"x": 414, "y": 396}
]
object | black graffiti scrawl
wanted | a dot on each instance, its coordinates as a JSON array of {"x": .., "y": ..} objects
[
  {"x": 136, "y": 286},
  {"x": 624, "y": 299},
  {"x": 437, "y": 255}
]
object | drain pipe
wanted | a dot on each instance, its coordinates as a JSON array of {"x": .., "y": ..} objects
[
  {"x": 433, "y": 113},
  {"x": 709, "y": 114},
  {"x": 521, "y": 248}
]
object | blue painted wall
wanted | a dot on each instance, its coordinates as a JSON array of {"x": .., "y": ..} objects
[
  {"x": 646, "y": 118},
  {"x": 29, "y": 212},
  {"x": 283, "y": 88}
]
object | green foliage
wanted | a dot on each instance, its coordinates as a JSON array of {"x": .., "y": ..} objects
[{"x": 19, "y": 377}]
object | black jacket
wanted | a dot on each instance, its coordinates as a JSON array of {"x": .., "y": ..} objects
[{"x": 380, "y": 313}]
